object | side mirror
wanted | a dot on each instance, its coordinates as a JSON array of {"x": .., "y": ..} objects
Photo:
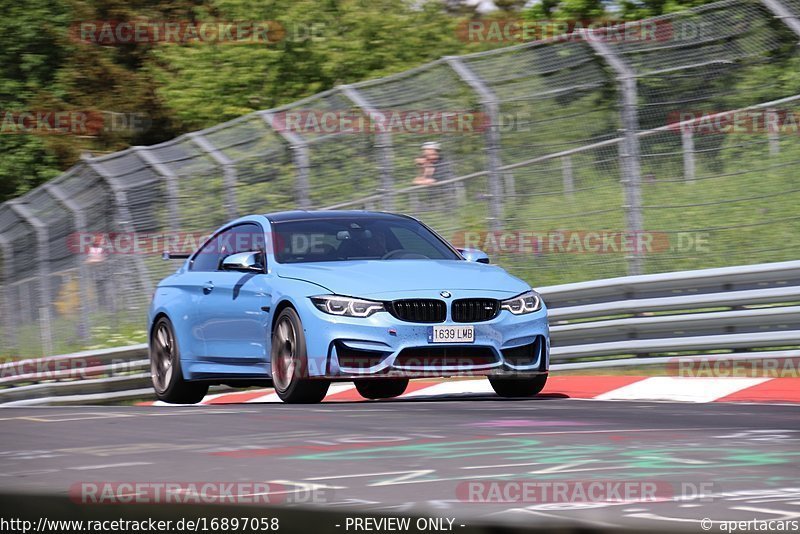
[
  {"x": 246, "y": 262},
  {"x": 473, "y": 254}
]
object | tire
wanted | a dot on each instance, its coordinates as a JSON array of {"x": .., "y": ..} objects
[
  {"x": 518, "y": 387},
  {"x": 165, "y": 368},
  {"x": 381, "y": 388},
  {"x": 289, "y": 362}
]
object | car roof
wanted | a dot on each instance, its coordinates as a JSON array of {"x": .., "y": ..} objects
[{"x": 307, "y": 215}]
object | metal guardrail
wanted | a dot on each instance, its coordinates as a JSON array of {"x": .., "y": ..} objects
[
  {"x": 687, "y": 344},
  {"x": 109, "y": 384},
  {"x": 684, "y": 325},
  {"x": 727, "y": 299},
  {"x": 762, "y": 275},
  {"x": 732, "y": 308},
  {"x": 87, "y": 358}
]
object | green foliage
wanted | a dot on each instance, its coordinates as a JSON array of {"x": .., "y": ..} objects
[
  {"x": 29, "y": 61},
  {"x": 26, "y": 163},
  {"x": 325, "y": 44},
  {"x": 44, "y": 67}
]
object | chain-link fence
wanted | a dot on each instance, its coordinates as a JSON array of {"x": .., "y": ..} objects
[{"x": 655, "y": 146}]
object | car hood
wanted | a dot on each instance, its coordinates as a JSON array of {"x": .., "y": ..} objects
[{"x": 391, "y": 278}]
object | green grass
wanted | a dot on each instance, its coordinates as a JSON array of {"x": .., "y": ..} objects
[
  {"x": 67, "y": 338},
  {"x": 742, "y": 207}
]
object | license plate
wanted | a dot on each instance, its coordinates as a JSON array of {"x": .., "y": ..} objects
[{"x": 451, "y": 334}]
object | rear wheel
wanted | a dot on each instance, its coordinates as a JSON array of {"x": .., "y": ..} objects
[
  {"x": 381, "y": 388},
  {"x": 518, "y": 387},
  {"x": 289, "y": 362},
  {"x": 165, "y": 368}
]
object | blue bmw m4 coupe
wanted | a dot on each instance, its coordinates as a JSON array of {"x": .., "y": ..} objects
[{"x": 299, "y": 299}]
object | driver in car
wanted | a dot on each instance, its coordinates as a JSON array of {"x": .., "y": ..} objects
[{"x": 374, "y": 245}]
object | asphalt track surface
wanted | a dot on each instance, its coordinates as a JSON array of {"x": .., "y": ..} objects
[{"x": 416, "y": 455}]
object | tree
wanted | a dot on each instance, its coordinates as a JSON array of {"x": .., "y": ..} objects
[
  {"x": 326, "y": 43},
  {"x": 44, "y": 68}
]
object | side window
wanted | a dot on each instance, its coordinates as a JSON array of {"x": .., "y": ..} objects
[
  {"x": 247, "y": 238},
  {"x": 241, "y": 238},
  {"x": 209, "y": 256}
]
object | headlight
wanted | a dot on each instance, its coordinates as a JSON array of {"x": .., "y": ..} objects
[
  {"x": 528, "y": 302},
  {"x": 346, "y": 306}
]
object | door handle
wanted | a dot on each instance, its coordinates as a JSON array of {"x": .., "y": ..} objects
[{"x": 208, "y": 287}]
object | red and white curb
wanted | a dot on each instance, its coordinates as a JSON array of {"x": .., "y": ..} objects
[{"x": 637, "y": 388}]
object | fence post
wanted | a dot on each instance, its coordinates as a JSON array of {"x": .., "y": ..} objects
[
  {"x": 687, "y": 142},
  {"x": 793, "y": 22},
  {"x": 228, "y": 171},
  {"x": 784, "y": 14},
  {"x": 125, "y": 219},
  {"x": 302, "y": 160},
  {"x": 773, "y": 132},
  {"x": 567, "y": 176},
  {"x": 84, "y": 323},
  {"x": 631, "y": 173},
  {"x": 43, "y": 261},
  {"x": 490, "y": 106},
  {"x": 6, "y": 277},
  {"x": 172, "y": 184},
  {"x": 383, "y": 145}
]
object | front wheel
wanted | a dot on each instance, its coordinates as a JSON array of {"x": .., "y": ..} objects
[
  {"x": 381, "y": 388},
  {"x": 518, "y": 387},
  {"x": 165, "y": 368},
  {"x": 289, "y": 362}
]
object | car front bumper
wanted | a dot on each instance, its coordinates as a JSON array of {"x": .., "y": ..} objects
[{"x": 384, "y": 346}]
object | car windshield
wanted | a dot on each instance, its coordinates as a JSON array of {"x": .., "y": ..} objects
[{"x": 357, "y": 238}]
